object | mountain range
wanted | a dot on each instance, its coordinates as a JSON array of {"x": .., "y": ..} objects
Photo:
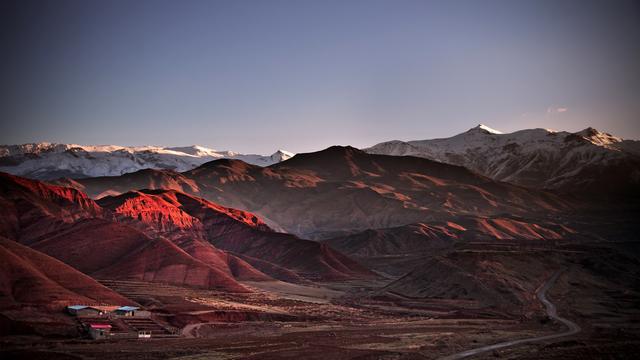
[
  {"x": 161, "y": 226},
  {"x": 540, "y": 158},
  {"x": 50, "y": 161},
  {"x": 162, "y": 236},
  {"x": 339, "y": 190},
  {"x": 475, "y": 230}
]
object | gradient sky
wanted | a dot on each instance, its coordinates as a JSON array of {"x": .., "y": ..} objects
[{"x": 255, "y": 76}]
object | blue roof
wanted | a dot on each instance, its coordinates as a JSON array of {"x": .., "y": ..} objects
[
  {"x": 77, "y": 307},
  {"x": 127, "y": 308}
]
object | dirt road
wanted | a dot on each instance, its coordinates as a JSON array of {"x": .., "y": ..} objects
[
  {"x": 191, "y": 330},
  {"x": 573, "y": 328}
]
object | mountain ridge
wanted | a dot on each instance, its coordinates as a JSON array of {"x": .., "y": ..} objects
[
  {"x": 541, "y": 158},
  {"x": 161, "y": 236},
  {"x": 324, "y": 193},
  {"x": 46, "y": 161}
]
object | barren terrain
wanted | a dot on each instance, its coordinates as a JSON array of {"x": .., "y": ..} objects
[
  {"x": 361, "y": 319},
  {"x": 411, "y": 259}
]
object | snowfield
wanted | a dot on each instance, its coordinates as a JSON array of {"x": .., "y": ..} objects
[{"x": 49, "y": 161}]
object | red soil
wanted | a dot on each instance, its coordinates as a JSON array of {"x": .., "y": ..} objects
[
  {"x": 29, "y": 209},
  {"x": 232, "y": 230},
  {"x": 115, "y": 251},
  {"x": 31, "y": 277}
]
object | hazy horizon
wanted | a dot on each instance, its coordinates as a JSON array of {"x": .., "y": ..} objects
[{"x": 254, "y": 76}]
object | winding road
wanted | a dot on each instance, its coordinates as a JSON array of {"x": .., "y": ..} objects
[
  {"x": 572, "y": 328},
  {"x": 191, "y": 330}
]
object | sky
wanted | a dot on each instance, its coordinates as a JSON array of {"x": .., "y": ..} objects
[{"x": 256, "y": 76}]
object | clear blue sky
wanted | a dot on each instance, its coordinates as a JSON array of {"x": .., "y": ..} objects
[{"x": 254, "y": 76}]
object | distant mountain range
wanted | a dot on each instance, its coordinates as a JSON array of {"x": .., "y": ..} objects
[
  {"x": 587, "y": 160},
  {"x": 49, "y": 161},
  {"x": 541, "y": 158}
]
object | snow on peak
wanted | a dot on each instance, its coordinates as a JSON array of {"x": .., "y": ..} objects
[
  {"x": 487, "y": 129},
  {"x": 530, "y": 157},
  {"x": 284, "y": 152},
  {"x": 48, "y": 161},
  {"x": 282, "y": 155},
  {"x": 195, "y": 150}
]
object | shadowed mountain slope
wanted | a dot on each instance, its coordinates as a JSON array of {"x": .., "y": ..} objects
[
  {"x": 425, "y": 237},
  {"x": 341, "y": 190},
  {"x": 185, "y": 218},
  {"x": 126, "y": 253},
  {"x": 587, "y": 162},
  {"x": 67, "y": 225},
  {"x": 28, "y": 276},
  {"x": 30, "y": 208}
]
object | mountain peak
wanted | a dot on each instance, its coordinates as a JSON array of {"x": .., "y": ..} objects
[
  {"x": 339, "y": 151},
  {"x": 342, "y": 149},
  {"x": 590, "y": 131},
  {"x": 486, "y": 129},
  {"x": 333, "y": 157},
  {"x": 226, "y": 162},
  {"x": 281, "y": 155},
  {"x": 283, "y": 152},
  {"x": 598, "y": 137}
]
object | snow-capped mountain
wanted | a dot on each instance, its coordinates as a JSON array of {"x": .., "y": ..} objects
[
  {"x": 49, "y": 161},
  {"x": 535, "y": 157}
]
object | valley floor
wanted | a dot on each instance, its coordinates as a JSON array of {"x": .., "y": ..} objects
[{"x": 332, "y": 321}]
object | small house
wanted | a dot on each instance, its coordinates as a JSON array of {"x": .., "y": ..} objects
[
  {"x": 73, "y": 309},
  {"x": 105, "y": 309},
  {"x": 85, "y": 311},
  {"x": 99, "y": 331},
  {"x": 126, "y": 310}
]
